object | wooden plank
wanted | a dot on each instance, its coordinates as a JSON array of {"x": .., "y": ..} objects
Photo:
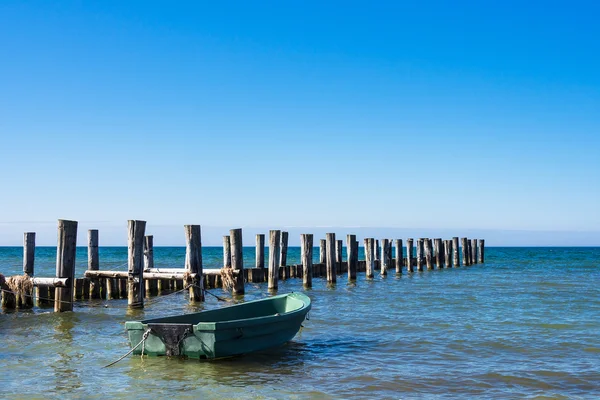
[
  {"x": 193, "y": 261},
  {"x": 274, "y": 243},
  {"x": 65, "y": 263}
]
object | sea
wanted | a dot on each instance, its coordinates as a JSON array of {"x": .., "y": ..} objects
[{"x": 523, "y": 325}]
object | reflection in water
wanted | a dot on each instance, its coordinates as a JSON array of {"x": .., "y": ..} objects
[
  {"x": 458, "y": 333},
  {"x": 66, "y": 365}
]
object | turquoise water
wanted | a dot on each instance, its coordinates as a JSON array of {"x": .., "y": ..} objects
[{"x": 524, "y": 324}]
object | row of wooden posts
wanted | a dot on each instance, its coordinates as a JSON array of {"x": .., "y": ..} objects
[{"x": 142, "y": 279}]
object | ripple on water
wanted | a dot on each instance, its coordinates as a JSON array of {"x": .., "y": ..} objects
[{"x": 522, "y": 325}]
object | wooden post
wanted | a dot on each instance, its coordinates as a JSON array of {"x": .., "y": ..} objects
[
  {"x": 135, "y": 263},
  {"x": 306, "y": 240},
  {"x": 151, "y": 284},
  {"x": 274, "y": 243},
  {"x": 338, "y": 255},
  {"x": 370, "y": 257},
  {"x": 465, "y": 251},
  {"x": 439, "y": 253},
  {"x": 409, "y": 255},
  {"x": 428, "y": 254},
  {"x": 28, "y": 261},
  {"x": 386, "y": 259},
  {"x": 322, "y": 251},
  {"x": 122, "y": 282},
  {"x": 470, "y": 252},
  {"x": 65, "y": 264},
  {"x": 399, "y": 256},
  {"x": 352, "y": 256},
  {"x": 93, "y": 262},
  {"x": 193, "y": 261},
  {"x": 377, "y": 251},
  {"x": 456, "y": 252},
  {"x": 283, "y": 249},
  {"x": 448, "y": 253},
  {"x": 227, "y": 251},
  {"x": 420, "y": 244},
  {"x": 473, "y": 251},
  {"x": 260, "y": 250},
  {"x": 331, "y": 270},
  {"x": 28, "y": 252},
  {"x": 237, "y": 260},
  {"x": 481, "y": 250}
]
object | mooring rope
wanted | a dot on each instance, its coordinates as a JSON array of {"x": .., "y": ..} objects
[{"x": 144, "y": 337}]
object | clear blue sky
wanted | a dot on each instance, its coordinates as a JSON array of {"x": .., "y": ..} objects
[{"x": 422, "y": 115}]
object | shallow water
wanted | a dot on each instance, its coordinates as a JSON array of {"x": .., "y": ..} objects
[{"x": 524, "y": 324}]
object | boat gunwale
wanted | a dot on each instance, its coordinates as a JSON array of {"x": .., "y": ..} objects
[{"x": 236, "y": 323}]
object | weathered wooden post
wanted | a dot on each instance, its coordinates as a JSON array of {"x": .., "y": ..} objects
[
  {"x": 386, "y": 253},
  {"x": 470, "y": 252},
  {"x": 439, "y": 253},
  {"x": 65, "y": 264},
  {"x": 399, "y": 256},
  {"x": 28, "y": 262},
  {"x": 274, "y": 243},
  {"x": 377, "y": 251},
  {"x": 448, "y": 253},
  {"x": 306, "y": 240},
  {"x": 474, "y": 251},
  {"x": 331, "y": 270},
  {"x": 338, "y": 256},
  {"x": 428, "y": 254},
  {"x": 420, "y": 244},
  {"x": 193, "y": 261},
  {"x": 237, "y": 260},
  {"x": 260, "y": 250},
  {"x": 409, "y": 255},
  {"x": 456, "y": 252},
  {"x": 93, "y": 262},
  {"x": 465, "y": 251},
  {"x": 135, "y": 263},
  {"x": 226, "y": 251},
  {"x": 322, "y": 251},
  {"x": 352, "y": 256},
  {"x": 151, "y": 284},
  {"x": 370, "y": 258},
  {"x": 283, "y": 249},
  {"x": 481, "y": 250}
]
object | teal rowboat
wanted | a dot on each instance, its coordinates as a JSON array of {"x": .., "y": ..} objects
[{"x": 225, "y": 332}]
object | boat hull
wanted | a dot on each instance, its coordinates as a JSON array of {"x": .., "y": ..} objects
[{"x": 223, "y": 333}]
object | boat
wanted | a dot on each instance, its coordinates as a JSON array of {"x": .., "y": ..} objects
[{"x": 226, "y": 332}]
